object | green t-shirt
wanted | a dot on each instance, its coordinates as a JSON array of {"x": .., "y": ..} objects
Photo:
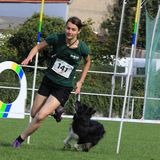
[{"x": 65, "y": 60}]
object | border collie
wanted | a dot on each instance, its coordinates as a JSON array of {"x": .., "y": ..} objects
[{"x": 85, "y": 131}]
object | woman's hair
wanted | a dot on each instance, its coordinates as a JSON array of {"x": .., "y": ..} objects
[{"x": 76, "y": 21}]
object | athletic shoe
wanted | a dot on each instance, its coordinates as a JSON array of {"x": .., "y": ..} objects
[
  {"x": 16, "y": 144},
  {"x": 58, "y": 113}
]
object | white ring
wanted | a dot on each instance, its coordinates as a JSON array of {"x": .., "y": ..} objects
[{"x": 17, "y": 108}]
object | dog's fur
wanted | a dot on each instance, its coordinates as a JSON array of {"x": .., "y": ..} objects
[{"x": 85, "y": 131}]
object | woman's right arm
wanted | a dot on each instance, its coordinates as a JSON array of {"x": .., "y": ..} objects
[{"x": 33, "y": 52}]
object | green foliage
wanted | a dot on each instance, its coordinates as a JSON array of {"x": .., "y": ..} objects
[
  {"x": 20, "y": 42},
  {"x": 92, "y": 41},
  {"x": 152, "y": 7},
  {"x": 87, "y": 34},
  {"x": 112, "y": 24},
  {"x": 6, "y": 50},
  {"x": 9, "y": 78},
  {"x": 25, "y": 38}
]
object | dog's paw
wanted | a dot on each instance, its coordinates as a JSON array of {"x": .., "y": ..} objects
[
  {"x": 77, "y": 147},
  {"x": 67, "y": 146},
  {"x": 87, "y": 147}
]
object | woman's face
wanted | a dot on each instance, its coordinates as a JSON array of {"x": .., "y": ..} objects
[{"x": 72, "y": 31}]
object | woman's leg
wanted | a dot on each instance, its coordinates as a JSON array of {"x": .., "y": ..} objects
[
  {"x": 47, "y": 109},
  {"x": 37, "y": 105}
]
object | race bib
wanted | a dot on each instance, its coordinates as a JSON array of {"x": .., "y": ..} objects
[{"x": 62, "y": 68}]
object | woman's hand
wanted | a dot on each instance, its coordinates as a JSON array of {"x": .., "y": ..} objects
[
  {"x": 83, "y": 75},
  {"x": 78, "y": 87},
  {"x": 26, "y": 61},
  {"x": 33, "y": 52}
]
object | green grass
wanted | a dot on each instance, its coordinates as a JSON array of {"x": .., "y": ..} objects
[{"x": 139, "y": 142}]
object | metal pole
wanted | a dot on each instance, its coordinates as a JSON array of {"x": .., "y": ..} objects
[
  {"x": 36, "y": 61},
  {"x": 117, "y": 54},
  {"x": 134, "y": 55},
  {"x": 132, "y": 108},
  {"x": 129, "y": 72},
  {"x": 129, "y": 93}
]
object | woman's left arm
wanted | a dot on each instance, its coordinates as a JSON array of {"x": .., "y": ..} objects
[{"x": 83, "y": 75}]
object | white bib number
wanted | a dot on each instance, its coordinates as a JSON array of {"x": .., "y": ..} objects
[{"x": 62, "y": 68}]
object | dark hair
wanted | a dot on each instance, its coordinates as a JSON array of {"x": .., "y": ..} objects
[{"x": 76, "y": 21}]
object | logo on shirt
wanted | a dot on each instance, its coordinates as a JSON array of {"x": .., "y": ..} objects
[{"x": 74, "y": 57}]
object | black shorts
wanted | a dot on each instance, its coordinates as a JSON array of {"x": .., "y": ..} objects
[{"x": 47, "y": 88}]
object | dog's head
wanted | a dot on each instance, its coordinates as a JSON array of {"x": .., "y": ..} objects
[{"x": 83, "y": 110}]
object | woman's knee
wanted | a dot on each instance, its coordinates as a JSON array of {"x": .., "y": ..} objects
[
  {"x": 33, "y": 114},
  {"x": 40, "y": 116}
]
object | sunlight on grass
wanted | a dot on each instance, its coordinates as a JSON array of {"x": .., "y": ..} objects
[{"x": 139, "y": 142}]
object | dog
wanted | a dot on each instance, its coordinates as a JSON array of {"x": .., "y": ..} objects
[{"x": 85, "y": 131}]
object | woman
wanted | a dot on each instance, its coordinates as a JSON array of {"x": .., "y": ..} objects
[{"x": 58, "y": 81}]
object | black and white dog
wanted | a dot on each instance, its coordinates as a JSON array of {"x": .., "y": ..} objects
[{"x": 85, "y": 131}]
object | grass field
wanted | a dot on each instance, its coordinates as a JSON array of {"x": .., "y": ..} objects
[{"x": 139, "y": 142}]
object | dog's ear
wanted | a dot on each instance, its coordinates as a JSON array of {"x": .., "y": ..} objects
[{"x": 91, "y": 111}]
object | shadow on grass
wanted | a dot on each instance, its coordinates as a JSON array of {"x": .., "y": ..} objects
[
  {"x": 42, "y": 148},
  {"x": 48, "y": 148},
  {"x": 5, "y": 144},
  {"x": 69, "y": 150}
]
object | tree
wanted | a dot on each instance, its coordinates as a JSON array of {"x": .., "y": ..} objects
[
  {"x": 112, "y": 24},
  {"x": 152, "y": 7},
  {"x": 25, "y": 37}
]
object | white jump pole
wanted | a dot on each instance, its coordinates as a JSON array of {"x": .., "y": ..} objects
[
  {"x": 129, "y": 72},
  {"x": 36, "y": 61},
  {"x": 117, "y": 54}
]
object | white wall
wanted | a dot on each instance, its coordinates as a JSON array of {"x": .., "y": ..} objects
[
  {"x": 27, "y": 9},
  {"x": 97, "y": 10}
]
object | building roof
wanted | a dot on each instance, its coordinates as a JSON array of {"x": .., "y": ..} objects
[{"x": 34, "y": 1}]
